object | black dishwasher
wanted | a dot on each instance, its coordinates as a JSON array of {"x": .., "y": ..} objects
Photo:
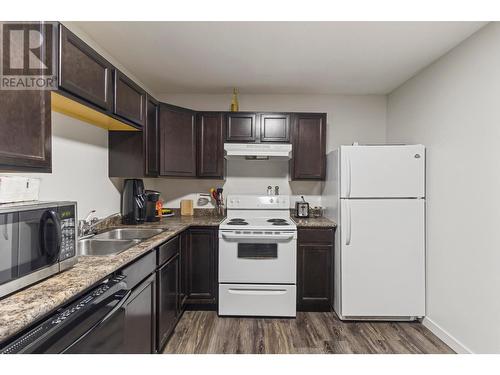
[{"x": 93, "y": 324}]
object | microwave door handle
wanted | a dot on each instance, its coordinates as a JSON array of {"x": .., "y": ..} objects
[
  {"x": 42, "y": 234},
  {"x": 113, "y": 311}
]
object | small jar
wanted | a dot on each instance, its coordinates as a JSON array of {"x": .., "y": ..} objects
[{"x": 317, "y": 212}]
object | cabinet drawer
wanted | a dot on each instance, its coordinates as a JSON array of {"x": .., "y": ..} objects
[
  {"x": 257, "y": 300},
  {"x": 315, "y": 236},
  {"x": 140, "y": 269},
  {"x": 168, "y": 250}
]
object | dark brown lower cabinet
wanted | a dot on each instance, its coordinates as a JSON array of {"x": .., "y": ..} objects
[
  {"x": 168, "y": 299},
  {"x": 140, "y": 314},
  {"x": 201, "y": 267},
  {"x": 183, "y": 277},
  {"x": 315, "y": 269}
]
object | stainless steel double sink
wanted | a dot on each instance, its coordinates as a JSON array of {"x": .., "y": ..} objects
[{"x": 114, "y": 241}]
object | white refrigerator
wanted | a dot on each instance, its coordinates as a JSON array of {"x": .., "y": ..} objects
[{"x": 376, "y": 195}]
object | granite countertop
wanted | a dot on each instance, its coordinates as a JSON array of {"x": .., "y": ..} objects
[
  {"x": 313, "y": 222},
  {"x": 21, "y": 309}
]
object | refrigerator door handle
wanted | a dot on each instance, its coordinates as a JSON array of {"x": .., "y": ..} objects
[
  {"x": 348, "y": 160},
  {"x": 348, "y": 229}
]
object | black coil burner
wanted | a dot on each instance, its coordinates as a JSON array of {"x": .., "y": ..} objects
[
  {"x": 237, "y": 221},
  {"x": 276, "y": 221}
]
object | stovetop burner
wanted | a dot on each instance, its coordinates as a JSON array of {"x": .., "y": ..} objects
[
  {"x": 280, "y": 223},
  {"x": 237, "y": 219},
  {"x": 237, "y": 223},
  {"x": 276, "y": 221}
]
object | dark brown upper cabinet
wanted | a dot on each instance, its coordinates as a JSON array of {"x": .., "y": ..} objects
[
  {"x": 136, "y": 153},
  {"x": 177, "y": 141},
  {"x": 210, "y": 148},
  {"x": 241, "y": 127},
  {"x": 83, "y": 72},
  {"x": 150, "y": 137},
  {"x": 25, "y": 128},
  {"x": 130, "y": 99},
  {"x": 309, "y": 146},
  {"x": 274, "y": 127}
]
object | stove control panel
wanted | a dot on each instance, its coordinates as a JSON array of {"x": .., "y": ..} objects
[{"x": 255, "y": 202}]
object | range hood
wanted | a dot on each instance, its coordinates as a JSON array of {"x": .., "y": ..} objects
[{"x": 257, "y": 151}]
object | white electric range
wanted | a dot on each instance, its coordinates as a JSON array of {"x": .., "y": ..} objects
[{"x": 257, "y": 257}]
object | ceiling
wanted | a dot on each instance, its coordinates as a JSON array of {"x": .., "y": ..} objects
[{"x": 276, "y": 57}]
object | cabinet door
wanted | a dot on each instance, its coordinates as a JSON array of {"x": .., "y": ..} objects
[
  {"x": 126, "y": 154},
  {"x": 177, "y": 142},
  {"x": 25, "y": 141},
  {"x": 184, "y": 262},
  {"x": 313, "y": 277},
  {"x": 83, "y": 72},
  {"x": 241, "y": 127},
  {"x": 168, "y": 295},
  {"x": 140, "y": 319},
  {"x": 309, "y": 146},
  {"x": 130, "y": 99},
  {"x": 314, "y": 269},
  {"x": 202, "y": 266},
  {"x": 210, "y": 148},
  {"x": 274, "y": 127},
  {"x": 151, "y": 158}
]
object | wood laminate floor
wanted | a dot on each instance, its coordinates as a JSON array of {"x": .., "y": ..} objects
[{"x": 311, "y": 332}]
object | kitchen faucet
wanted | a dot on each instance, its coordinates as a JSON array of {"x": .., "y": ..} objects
[{"x": 87, "y": 226}]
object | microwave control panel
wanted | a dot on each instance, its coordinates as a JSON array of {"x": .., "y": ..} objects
[{"x": 68, "y": 231}]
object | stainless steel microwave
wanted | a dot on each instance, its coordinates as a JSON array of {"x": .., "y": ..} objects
[{"x": 37, "y": 240}]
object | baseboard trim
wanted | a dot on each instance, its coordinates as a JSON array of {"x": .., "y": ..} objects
[{"x": 446, "y": 337}]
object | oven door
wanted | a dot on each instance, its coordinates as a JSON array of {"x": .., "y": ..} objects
[{"x": 257, "y": 257}]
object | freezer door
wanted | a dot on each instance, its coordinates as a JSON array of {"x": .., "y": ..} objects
[
  {"x": 382, "y": 171},
  {"x": 382, "y": 258}
]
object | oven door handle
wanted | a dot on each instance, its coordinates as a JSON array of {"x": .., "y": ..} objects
[
  {"x": 235, "y": 236},
  {"x": 259, "y": 292}
]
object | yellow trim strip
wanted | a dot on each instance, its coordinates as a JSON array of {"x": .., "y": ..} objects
[{"x": 74, "y": 109}]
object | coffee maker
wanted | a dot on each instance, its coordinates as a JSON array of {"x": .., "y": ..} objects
[
  {"x": 152, "y": 197},
  {"x": 133, "y": 207}
]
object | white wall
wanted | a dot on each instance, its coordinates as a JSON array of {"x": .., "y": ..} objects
[
  {"x": 350, "y": 118},
  {"x": 453, "y": 107},
  {"x": 79, "y": 167}
]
